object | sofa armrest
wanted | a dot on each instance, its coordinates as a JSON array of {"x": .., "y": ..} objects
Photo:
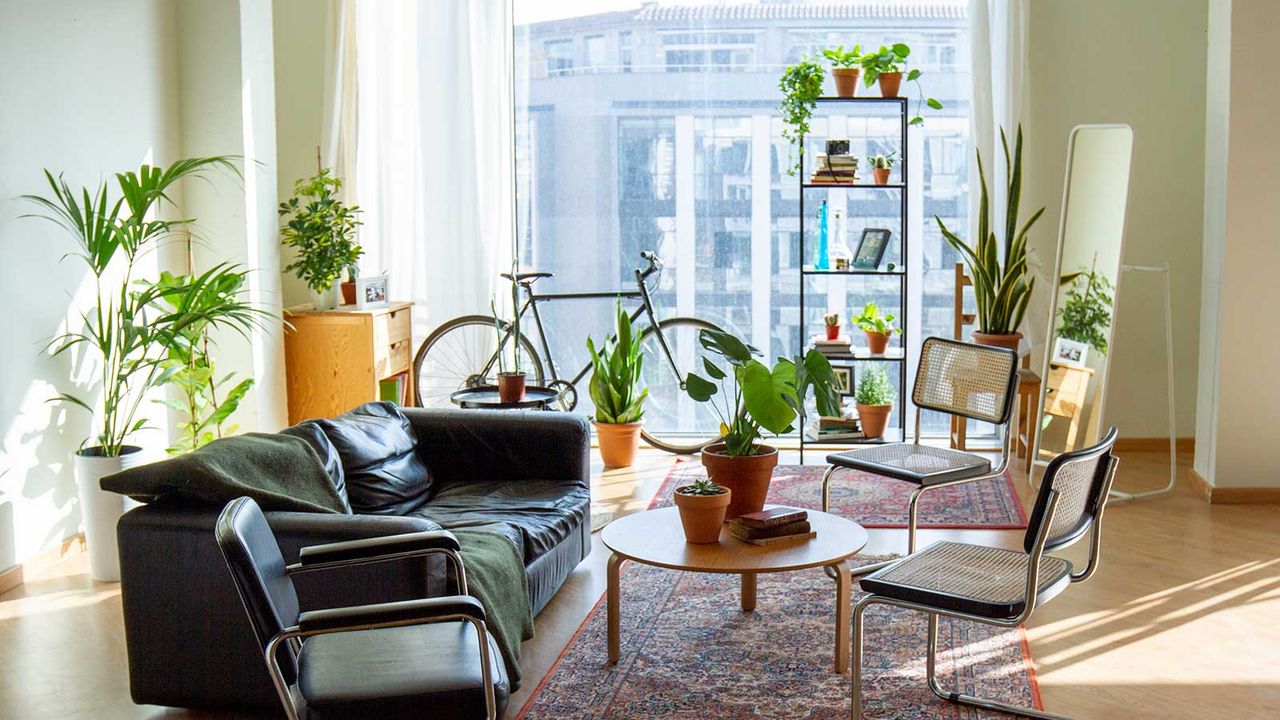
[{"x": 470, "y": 445}]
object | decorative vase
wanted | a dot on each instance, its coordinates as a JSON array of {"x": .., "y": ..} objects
[
  {"x": 877, "y": 342},
  {"x": 618, "y": 442},
  {"x": 511, "y": 387},
  {"x": 747, "y": 476},
  {"x": 101, "y": 510},
  {"x": 326, "y": 300},
  {"x": 349, "y": 293},
  {"x": 833, "y": 332},
  {"x": 881, "y": 175},
  {"x": 1009, "y": 341},
  {"x": 846, "y": 81},
  {"x": 889, "y": 84},
  {"x": 874, "y": 418},
  {"x": 702, "y": 515}
]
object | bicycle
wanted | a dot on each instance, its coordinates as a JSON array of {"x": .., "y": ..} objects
[{"x": 463, "y": 353}]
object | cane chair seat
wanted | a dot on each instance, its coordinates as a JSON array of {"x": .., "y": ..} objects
[
  {"x": 983, "y": 581},
  {"x": 919, "y": 464}
]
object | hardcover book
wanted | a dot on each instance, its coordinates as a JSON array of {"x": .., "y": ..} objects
[{"x": 774, "y": 516}]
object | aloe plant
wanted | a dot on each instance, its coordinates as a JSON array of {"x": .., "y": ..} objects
[
  {"x": 615, "y": 380},
  {"x": 702, "y": 487}
]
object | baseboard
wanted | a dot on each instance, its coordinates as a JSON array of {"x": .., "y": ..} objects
[
  {"x": 1233, "y": 495},
  {"x": 1200, "y": 486},
  {"x": 1153, "y": 444},
  {"x": 10, "y": 579}
]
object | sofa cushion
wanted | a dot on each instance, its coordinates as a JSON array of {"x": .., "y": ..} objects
[
  {"x": 384, "y": 474},
  {"x": 310, "y": 432},
  {"x": 542, "y": 512}
]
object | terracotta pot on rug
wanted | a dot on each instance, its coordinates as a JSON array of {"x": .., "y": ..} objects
[
  {"x": 510, "y": 387},
  {"x": 889, "y": 84},
  {"x": 874, "y": 418},
  {"x": 747, "y": 476},
  {"x": 1009, "y": 341},
  {"x": 846, "y": 81},
  {"x": 618, "y": 442},
  {"x": 881, "y": 175},
  {"x": 833, "y": 332},
  {"x": 877, "y": 342},
  {"x": 702, "y": 515}
]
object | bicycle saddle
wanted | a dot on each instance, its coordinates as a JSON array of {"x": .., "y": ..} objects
[{"x": 527, "y": 278}]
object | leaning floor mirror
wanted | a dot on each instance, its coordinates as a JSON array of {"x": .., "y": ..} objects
[{"x": 1082, "y": 308}]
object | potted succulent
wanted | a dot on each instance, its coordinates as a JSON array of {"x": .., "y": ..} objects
[
  {"x": 882, "y": 167},
  {"x": 885, "y": 67},
  {"x": 322, "y": 229},
  {"x": 703, "y": 505},
  {"x": 874, "y": 397},
  {"x": 832, "y": 323},
  {"x": 1000, "y": 290},
  {"x": 756, "y": 399},
  {"x": 349, "y": 285},
  {"x": 616, "y": 392},
  {"x": 844, "y": 69},
  {"x": 878, "y": 328},
  {"x": 801, "y": 86}
]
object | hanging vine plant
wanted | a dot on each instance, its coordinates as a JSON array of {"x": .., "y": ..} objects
[{"x": 801, "y": 86}]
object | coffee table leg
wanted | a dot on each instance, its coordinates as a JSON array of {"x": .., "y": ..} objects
[
  {"x": 748, "y": 592},
  {"x": 844, "y": 599},
  {"x": 612, "y": 609}
]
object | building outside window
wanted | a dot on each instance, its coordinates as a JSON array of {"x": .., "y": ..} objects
[
  {"x": 593, "y": 53},
  {"x": 624, "y": 51},
  {"x": 559, "y": 57}
]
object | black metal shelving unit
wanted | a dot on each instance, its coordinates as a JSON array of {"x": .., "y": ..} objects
[{"x": 898, "y": 354}]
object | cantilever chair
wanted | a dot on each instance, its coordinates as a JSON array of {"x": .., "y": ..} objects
[
  {"x": 963, "y": 380},
  {"x": 431, "y": 657},
  {"x": 994, "y": 586}
]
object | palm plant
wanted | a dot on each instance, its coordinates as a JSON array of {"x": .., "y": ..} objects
[
  {"x": 1001, "y": 291},
  {"x": 615, "y": 378}
]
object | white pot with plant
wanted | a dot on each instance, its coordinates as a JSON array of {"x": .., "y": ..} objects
[
  {"x": 877, "y": 326},
  {"x": 874, "y": 397},
  {"x": 321, "y": 228},
  {"x": 882, "y": 167},
  {"x": 616, "y": 392},
  {"x": 135, "y": 325}
]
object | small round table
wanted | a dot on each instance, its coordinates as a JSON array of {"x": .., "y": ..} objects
[
  {"x": 486, "y": 397},
  {"x": 655, "y": 537}
]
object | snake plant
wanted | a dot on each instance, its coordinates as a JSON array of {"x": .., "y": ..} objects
[{"x": 615, "y": 380}]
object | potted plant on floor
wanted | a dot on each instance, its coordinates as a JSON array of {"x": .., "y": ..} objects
[
  {"x": 874, "y": 397},
  {"x": 750, "y": 399},
  {"x": 702, "y": 505},
  {"x": 878, "y": 328},
  {"x": 801, "y": 86},
  {"x": 882, "y": 167},
  {"x": 1000, "y": 290},
  {"x": 832, "y": 323},
  {"x": 616, "y": 392},
  {"x": 322, "y": 229},
  {"x": 844, "y": 69}
]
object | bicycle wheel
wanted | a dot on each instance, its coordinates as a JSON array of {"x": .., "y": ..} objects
[
  {"x": 455, "y": 355},
  {"x": 672, "y": 420}
]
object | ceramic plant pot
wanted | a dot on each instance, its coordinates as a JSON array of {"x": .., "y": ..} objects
[
  {"x": 1009, "y": 341},
  {"x": 874, "y": 418},
  {"x": 511, "y": 387},
  {"x": 833, "y": 332},
  {"x": 889, "y": 84},
  {"x": 746, "y": 476},
  {"x": 618, "y": 443},
  {"x": 348, "y": 293},
  {"x": 846, "y": 81},
  {"x": 328, "y": 299},
  {"x": 877, "y": 342},
  {"x": 101, "y": 510},
  {"x": 881, "y": 175},
  {"x": 702, "y": 515}
]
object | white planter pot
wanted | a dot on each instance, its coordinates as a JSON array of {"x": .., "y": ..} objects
[
  {"x": 101, "y": 510},
  {"x": 328, "y": 299}
]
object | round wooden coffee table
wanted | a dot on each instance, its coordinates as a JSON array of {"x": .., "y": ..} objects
[{"x": 655, "y": 537}]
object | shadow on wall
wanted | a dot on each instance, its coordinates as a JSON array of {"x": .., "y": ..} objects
[{"x": 8, "y": 550}]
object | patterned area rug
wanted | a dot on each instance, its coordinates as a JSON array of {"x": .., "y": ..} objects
[
  {"x": 880, "y": 502},
  {"x": 689, "y": 652}
]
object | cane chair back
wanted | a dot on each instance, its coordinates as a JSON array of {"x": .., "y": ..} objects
[
  {"x": 1080, "y": 479},
  {"x": 973, "y": 381}
]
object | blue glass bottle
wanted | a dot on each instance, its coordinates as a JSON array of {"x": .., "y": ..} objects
[{"x": 822, "y": 262}]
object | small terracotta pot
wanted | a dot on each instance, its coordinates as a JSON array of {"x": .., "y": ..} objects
[
  {"x": 846, "y": 81},
  {"x": 348, "y": 293},
  {"x": 874, "y": 418},
  {"x": 747, "y": 476},
  {"x": 881, "y": 175},
  {"x": 618, "y": 442},
  {"x": 510, "y": 387},
  {"x": 702, "y": 515},
  {"x": 833, "y": 332},
  {"x": 1008, "y": 341},
  {"x": 877, "y": 342},
  {"x": 889, "y": 84}
]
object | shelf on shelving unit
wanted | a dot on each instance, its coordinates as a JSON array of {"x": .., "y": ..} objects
[{"x": 851, "y": 186}]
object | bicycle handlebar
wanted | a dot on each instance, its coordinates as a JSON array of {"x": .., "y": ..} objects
[{"x": 655, "y": 263}]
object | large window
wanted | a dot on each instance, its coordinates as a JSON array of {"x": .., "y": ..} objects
[{"x": 677, "y": 148}]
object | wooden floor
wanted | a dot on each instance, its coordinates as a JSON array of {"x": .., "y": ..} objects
[{"x": 1181, "y": 621}]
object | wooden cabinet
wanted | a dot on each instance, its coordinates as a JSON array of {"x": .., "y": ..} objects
[{"x": 335, "y": 359}]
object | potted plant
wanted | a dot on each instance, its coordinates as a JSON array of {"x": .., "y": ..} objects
[
  {"x": 832, "y": 323},
  {"x": 511, "y": 383},
  {"x": 844, "y": 69},
  {"x": 616, "y": 393},
  {"x": 877, "y": 327},
  {"x": 128, "y": 327},
  {"x": 882, "y": 167},
  {"x": 702, "y": 505},
  {"x": 801, "y": 86},
  {"x": 885, "y": 67},
  {"x": 756, "y": 398},
  {"x": 874, "y": 397},
  {"x": 1000, "y": 290},
  {"x": 322, "y": 229},
  {"x": 349, "y": 285},
  {"x": 1086, "y": 314}
]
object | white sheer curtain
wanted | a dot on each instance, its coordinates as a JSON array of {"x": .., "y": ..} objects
[{"x": 434, "y": 150}]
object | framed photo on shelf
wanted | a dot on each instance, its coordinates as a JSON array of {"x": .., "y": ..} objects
[
  {"x": 371, "y": 291},
  {"x": 1070, "y": 353},
  {"x": 871, "y": 248},
  {"x": 844, "y": 378}
]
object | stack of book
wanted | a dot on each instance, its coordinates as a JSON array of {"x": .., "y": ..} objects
[
  {"x": 833, "y": 348},
  {"x": 836, "y": 170},
  {"x": 772, "y": 525},
  {"x": 831, "y": 429}
]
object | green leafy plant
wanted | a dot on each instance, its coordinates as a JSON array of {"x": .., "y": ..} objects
[
  {"x": 517, "y": 367},
  {"x": 1086, "y": 314},
  {"x": 131, "y": 324},
  {"x": 801, "y": 86},
  {"x": 883, "y": 162},
  {"x": 832, "y": 320},
  {"x": 757, "y": 398},
  {"x": 322, "y": 229},
  {"x": 872, "y": 321},
  {"x": 702, "y": 487},
  {"x": 893, "y": 59},
  {"x": 615, "y": 378},
  {"x": 1001, "y": 291},
  {"x": 874, "y": 388},
  {"x": 844, "y": 59}
]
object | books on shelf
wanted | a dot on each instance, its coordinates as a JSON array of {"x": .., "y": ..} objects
[
  {"x": 839, "y": 346},
  {"x": 773, "y": 525},
  {"x": 836, "y": 170},
  {"x": 395, "y": 389}
]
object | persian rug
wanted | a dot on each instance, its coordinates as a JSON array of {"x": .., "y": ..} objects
[
  {"x": 688, "y": 652},
  {"x": 875, "y": 501}
]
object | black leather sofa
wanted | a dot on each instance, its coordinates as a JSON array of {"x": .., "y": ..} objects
[{"x": 522, "y": 474}]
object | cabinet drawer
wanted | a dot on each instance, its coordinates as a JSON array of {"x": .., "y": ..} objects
[
  {"x": 392, "y": 358},
  {"x": 390, "y": 328}
]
